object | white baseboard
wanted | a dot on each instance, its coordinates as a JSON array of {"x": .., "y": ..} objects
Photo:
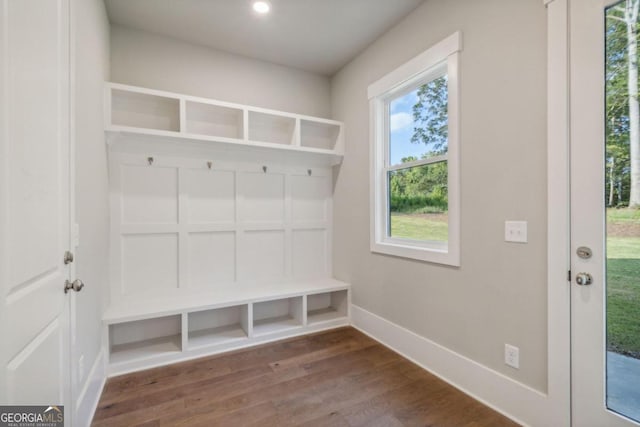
[
  {"x": 89, "y": 397},
  {"x": 515, "y": 400}
]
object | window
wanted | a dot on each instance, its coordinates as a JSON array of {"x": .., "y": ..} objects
[{"x": 415, "y": 165}]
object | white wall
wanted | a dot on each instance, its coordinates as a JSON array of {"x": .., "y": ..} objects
[
  {"x": 148, "y": 60},
  {"x": 91, "y": 69},
  {"x": 498, "y": 295}
]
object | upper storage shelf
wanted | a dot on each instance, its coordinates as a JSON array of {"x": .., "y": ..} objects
[{"x": 133, "y": 110}]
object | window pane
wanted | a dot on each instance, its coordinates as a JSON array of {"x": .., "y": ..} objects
[
  {"x": 418, "y": 203},
  {"x": 418, "y": 123}
]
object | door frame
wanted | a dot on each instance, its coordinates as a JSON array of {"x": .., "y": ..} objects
[
  {"x": 559, "y": 207},
  {"x": 558, "y": 212}
]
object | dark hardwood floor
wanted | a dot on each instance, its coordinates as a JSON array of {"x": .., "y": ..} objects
[{"x": 335, "y": 378}]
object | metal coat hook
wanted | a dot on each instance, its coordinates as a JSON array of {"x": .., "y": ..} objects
[
  {"x": 264, "y": 169},
  {"x": 209, "y": 165},
  {"x": 309, "y": 172},
  {"x": 150, "y": 160}
]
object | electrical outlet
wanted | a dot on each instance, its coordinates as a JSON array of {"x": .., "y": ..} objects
[
  {"x": 512, "y": 356},
  {"x": 81, "y": 368},
  {"x": 515, "y": 231}
]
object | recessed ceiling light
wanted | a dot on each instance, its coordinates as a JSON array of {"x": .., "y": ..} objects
[{"x": 261, "y": 6}]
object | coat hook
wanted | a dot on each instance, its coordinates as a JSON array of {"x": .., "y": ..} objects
[
  {"x": 309, "y": 172},
  {"x": 150, "y": 160},
  {"x": 209, "y": 164},
  {"x": 264, "y": 169}
]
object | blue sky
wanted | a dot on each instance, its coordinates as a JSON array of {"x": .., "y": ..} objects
[{"x": 401, "y": 128}]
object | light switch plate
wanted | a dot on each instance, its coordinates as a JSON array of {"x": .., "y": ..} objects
[{"x": 515, "y": 231}]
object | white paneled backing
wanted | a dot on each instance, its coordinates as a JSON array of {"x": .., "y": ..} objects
[
  {"x": 310, "y": 254},
  {"x": 262, "y": 197},
  {"x": 309, "y": 197},
  {"x": 212, "y": 258},
  {"x": 211, "y": 196},
  {"x": 190, "y": 222},
  {"x": 150, "y": 195},
  {"x": 262, "y": 255},
  {"x": 149, "y": 262}
]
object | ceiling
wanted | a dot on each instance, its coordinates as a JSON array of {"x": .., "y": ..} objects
[{"x": 319, "y": 36}]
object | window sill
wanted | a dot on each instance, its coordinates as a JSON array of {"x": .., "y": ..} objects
[{"x": 421, "y": 253}]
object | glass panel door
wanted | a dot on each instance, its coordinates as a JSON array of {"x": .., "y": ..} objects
[
  {"x": 622, "y": 201},
  {"x": 604, "y": 248}
]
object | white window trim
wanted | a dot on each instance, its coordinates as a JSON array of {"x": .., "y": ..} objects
[{"x": 440, "y": 59}]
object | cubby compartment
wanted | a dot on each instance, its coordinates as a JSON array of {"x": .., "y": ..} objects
[
  {"x": 218, "y": 326},
  {"x": 277, "y": 315},
  {"x": 143, "y": 110},
  {"x": 264, "y": 127},
  {"x": 327, "y": 306},
  {"x": 319, "y": 134},
  {"x": 214, "y": 120},
  {"x": 167, "y": 330},
  {"x": 142, "y": 339}
]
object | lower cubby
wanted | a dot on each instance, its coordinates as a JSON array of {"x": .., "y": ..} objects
[
  {"x": 327, "y": 306},
  {"x": 277, "y": 315},
  {"x": 142, "y": 339},
  {"x": 145, "y": 333},
  {"x": 218, "y": 326}
]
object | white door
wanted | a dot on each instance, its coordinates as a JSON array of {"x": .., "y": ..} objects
[
  {"x": 34, "y": 202},
  {"x": 606, "y": 313}
]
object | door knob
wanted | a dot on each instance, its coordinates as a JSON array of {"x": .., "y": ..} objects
[
  {"x": 68, "y": 257},
  {"x": 76, "y": 285},
  {"x": 584, "y": 279}
]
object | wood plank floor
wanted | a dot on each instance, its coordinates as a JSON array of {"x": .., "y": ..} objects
[{"x": 335, "y": 378}]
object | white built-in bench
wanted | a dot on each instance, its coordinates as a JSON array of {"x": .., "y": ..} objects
[
  {"x": 141, "y": 334},
  {"x": 221, "y": 226}
]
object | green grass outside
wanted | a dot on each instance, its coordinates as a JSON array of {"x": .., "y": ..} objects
[
  {"x": 419, "y": 227},
  {"x": 623, "y": 295},
  {"x": 623, "y": 215}
]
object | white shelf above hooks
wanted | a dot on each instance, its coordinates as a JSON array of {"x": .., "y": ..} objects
[{"x": 157, "y": 115}]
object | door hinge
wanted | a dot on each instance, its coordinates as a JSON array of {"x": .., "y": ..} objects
[{"x": 569, "y": 276}]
